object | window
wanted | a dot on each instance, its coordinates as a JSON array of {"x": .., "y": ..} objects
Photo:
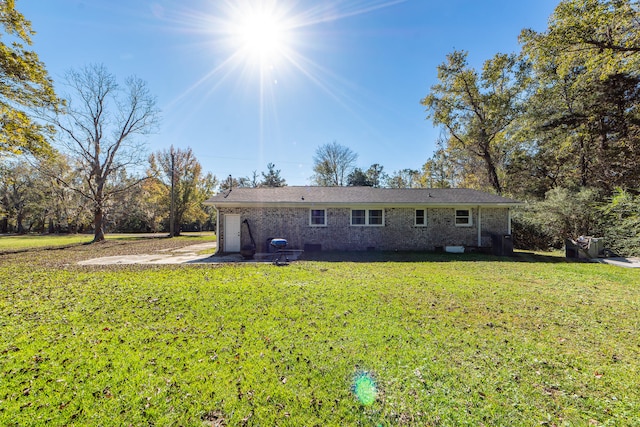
[
  {"x": 358, "y": 217},
  {"x": 463, "y": 217},
  {"x": 421, "y": 217},
  {"x": 318, "y": 217},
  {"x": 375, "y": 217},
  {"x": 372, "y": 217}
]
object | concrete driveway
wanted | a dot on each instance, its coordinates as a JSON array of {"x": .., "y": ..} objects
[{"x": 621, "y": 262}]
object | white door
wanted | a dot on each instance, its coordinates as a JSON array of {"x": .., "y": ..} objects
[{"x": 232, "y": 233}]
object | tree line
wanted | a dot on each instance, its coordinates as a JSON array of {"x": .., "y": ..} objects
[{"x": 556, "y": 125}]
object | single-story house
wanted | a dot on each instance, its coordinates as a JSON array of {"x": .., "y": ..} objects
[{"x": 360, "y": 218}]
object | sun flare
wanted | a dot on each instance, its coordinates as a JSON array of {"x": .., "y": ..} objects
[
  {"x": 262, "y": 35},
  {"x": 269, "y": 41}
]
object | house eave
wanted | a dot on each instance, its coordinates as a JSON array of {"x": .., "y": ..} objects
[{"x": 309, "y": 205}]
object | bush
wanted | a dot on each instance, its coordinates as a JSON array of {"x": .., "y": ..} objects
[
  {"x": 564, "y": 213},
  {"x": 620, "y": 221}
]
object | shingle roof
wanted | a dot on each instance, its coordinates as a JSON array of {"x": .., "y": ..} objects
[{"x": 334, "y": 196}]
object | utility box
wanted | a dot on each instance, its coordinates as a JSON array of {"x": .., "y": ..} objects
[
  {"x": 502, "y": 244},
  {"x": 596, "y": 247},
  {"x": 585, "y": 247}
]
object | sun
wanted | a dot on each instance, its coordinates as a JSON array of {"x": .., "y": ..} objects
[
  {"x": 268, "y": 41},
  {"x": 262, "y": 35}
]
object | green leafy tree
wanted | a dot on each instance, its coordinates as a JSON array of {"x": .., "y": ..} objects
[
  {"x": 31, "y": 195},
  {"x": 358, "y": 178},
  {"x": 563, "y": 214},
  {"x": 405, "y": 178},
  {"x": 191, "y": 186},
  {"x": 376, "y": 175},
  {"x": 477, "y": 108},
  {"x": 18, "y": 194},
  {"x": 272, "y": 178},
  {"x": 25, "y": 86},
  {"x": 603, "y": 36},
  {"x": 441, "y": 170},
  {"x": 621, "y": 222},
  {"x": 583, "y": 120}
]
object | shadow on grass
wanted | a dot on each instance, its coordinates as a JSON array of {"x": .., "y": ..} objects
[{"x": 400, "y": 256}]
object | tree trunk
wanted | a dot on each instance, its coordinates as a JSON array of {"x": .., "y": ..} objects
[
  {"x": 21, "y": 229},
  {"x": 492, "y": 172},
  {"x": 584, "y": 164},
  {"x": 176, "y": 225},
  {"x": 97, "y": 224}
]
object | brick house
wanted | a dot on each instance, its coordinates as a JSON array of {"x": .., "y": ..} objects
[{"x": 360, "y": 218}]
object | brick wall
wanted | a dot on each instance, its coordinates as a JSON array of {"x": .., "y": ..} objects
[{"x": 398, "y": 233}]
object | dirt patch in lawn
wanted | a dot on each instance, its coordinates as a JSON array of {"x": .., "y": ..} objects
[{"x": 139, "y": 246}]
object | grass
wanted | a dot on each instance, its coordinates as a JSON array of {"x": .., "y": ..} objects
[
  {"x": 454, "y": 341},
  {"x": 20, "y": 242},
  {"x": 32, "y": 241}
]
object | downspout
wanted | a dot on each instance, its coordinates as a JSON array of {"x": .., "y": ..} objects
[
  {"x": 479, "y": 227},
  {"x": 217, "y": 229},
  {"x": 509, "y": 221}
]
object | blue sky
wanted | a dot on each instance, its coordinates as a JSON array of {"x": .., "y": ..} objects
[{"x": 350, "y": 71}]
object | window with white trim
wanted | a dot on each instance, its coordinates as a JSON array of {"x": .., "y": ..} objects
[
  {"x": 317, "y": 217},
  {"x": 463, "y": 218},
  {"x": 420, "y": 218},
  {"x": 367, "y": 217}
]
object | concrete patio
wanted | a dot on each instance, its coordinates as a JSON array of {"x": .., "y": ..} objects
[{"x": 190, "y": 255}]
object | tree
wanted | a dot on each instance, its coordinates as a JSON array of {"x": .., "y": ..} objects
[
  {"x": 405, "y": 178},
  {"x": 25, "y": 85},
  {"x": 250, "y": 181},
  {"x": 372, "y": 177},
  {"x": 358, "y": 178},
  {"x": 583, "y": 118},
  {"x": 376, "y": 175},
  {"x": 101, "y": 130},
  {"x": 191, "y": 187},
  {"x": 442, "y": 170},
  {"x": 601, "y": 35},
  {"x": 332, "y": 164},
  {"x": 621, "y": 222},
  {"x": 18, "y": 194},
  {"x": 476, "y": 108},
  {"x": 272, "y": 178},
  {"x": 31, "y": 195},
  {"x": 152, "y": 199},
  {"x": 563, "y": 214}
]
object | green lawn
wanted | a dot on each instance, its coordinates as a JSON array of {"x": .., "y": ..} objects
[
  {"x": 35, "y": 241},
  {"x": 30, "y": 241},
  {"x": 455, "y": 341}
]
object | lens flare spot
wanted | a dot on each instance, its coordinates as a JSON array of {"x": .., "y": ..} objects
[{"x": 364, "y": 388}]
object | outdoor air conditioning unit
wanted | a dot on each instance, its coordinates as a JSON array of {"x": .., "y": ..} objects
[{"x": 502, "y": 244}]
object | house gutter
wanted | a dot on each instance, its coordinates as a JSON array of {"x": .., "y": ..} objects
[
  {"x": 479, "y": 226},
  {"x": 217, "y": 230},
  {"x": 309, "y": 204}
]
